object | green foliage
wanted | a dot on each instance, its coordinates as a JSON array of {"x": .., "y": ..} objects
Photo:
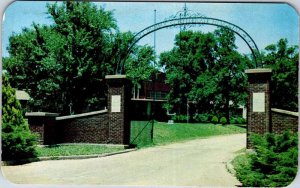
[
  {"x": 66, "y": 62},
  {"x": 202, "y": 118},
  {"x": 17, "y": 140},
  {"x": 233, "y": 120},
  {"x": 237, "y": 120},
  {"x": 140, "y": 67},
  {"x": 241, "y": 120},
  {"x": 180, "y": 118},
  {"x": 274, "y": 163},
  {"x": 78, "y": 149},
  {"x": 284, "y": 61},
  {"x": 215, "y": 120},
  {"x": 223, "y": 120},
  {"x": 207, "y": 69}
]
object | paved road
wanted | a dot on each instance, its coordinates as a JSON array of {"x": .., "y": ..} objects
[{"x": 197, "y": 162}]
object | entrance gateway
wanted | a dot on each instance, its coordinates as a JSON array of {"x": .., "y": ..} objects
[
  {"x": 258, "y": 107},
  {"x": 112, "y": 125}
]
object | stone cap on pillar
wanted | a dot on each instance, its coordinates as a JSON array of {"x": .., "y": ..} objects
[
  {"x": 41, "y": 114},
  {"x": 258, "y": 71},
  {"x": 117, "y": 79},
  {"x": 116, "y": 76}
]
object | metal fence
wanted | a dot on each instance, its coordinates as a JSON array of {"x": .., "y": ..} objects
[{"x": 141, "y": 133}]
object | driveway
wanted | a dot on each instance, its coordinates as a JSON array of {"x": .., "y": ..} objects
[{"x": 199, "y": 162}]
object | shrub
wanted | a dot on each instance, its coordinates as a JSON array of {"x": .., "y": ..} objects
[
  {"x": 180, "y": 118},
  {"x": 241, "y": 120},
  {"x": 237, "y": 120},
  {"x": 223, "y": 120},
  {"x": 232, "y": 120},
  {"x": 203, "y": 118},
  {"x": 274, "y": 162},
  {"x": 17, "y": 140},
  {"x": 215, "y": 120}
]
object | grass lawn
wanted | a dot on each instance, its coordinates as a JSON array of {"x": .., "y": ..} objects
[
  {"x": 164, "y": 133},
  {"x": 140, "y": 133},
  {"x": 141, "y": 136},
  {"x": 75, "y": 149}
]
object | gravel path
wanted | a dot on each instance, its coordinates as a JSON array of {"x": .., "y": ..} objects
[{"x": 199, "y": 162}]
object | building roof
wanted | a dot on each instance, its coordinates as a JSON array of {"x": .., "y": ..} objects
[{"x": 22, "y": 95}]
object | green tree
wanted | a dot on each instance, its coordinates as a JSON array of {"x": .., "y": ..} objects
[
  {"x": 65, "y": 63},
  {"x": 187, "y": 66},
  {"x": 229, "y": 70},
  {"x": 85, "y": 57},
  {"x": 206, "y": 68},
  {"x": 32, "y": 65},
  {"x": 140, "y": 66},
  {"x": 284, "y": 61},
  {"x": 120, "y": 53},
  {"x": 17, "y": 140}
]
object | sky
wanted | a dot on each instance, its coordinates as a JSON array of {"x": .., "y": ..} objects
[{"x": 266, "y": 23}]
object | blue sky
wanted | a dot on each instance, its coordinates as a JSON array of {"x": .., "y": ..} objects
[{"x": 266, "y": 23}]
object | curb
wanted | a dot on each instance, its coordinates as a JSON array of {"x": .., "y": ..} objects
[
  {"x": 230, "y": 167},
  {"x": 7, "y": 163}
]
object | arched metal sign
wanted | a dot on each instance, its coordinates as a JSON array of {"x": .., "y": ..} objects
[{"x": 197, "y": 21}]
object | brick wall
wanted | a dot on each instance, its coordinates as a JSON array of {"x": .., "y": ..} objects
[
  {"x": 283, "y": 120},
  {"x": 39, "y": 130},
  {"x": 43, "y": 124},
  {"x": 83, "y": 128},
  {"x": 111, "y": 126},
  {"x": 92, "y": 127}
]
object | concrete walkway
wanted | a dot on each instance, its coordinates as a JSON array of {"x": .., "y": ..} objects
[{"x": 199, "y": 162}]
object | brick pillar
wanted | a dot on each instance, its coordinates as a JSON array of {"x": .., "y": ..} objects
[
  {"x": 258, "y": 108},
  {"x": 119, "y": 97},
  {"x": 44, "y": 124}
]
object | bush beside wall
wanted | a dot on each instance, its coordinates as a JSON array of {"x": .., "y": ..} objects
[
  {"x": 17, "y": 140},
  {"x": 274, "y": 162}
]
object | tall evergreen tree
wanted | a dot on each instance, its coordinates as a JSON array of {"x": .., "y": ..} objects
[{"x": 17, "y": 140}]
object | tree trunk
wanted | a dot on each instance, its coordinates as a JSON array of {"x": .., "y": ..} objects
[{"x": 134, "y": 91}]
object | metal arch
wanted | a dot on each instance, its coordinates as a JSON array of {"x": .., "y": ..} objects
[{"x": 196, "y": 21}]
